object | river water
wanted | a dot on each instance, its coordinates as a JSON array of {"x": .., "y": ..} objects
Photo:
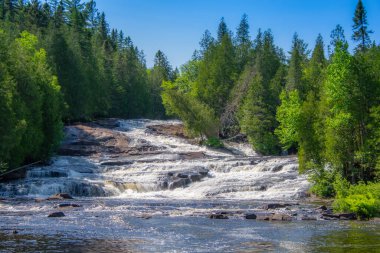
[{"x": 159, "y": 200}]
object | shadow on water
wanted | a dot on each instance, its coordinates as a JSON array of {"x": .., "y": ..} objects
[{"x": 356, "y": 237}]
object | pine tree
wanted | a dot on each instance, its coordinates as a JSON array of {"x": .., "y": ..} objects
[
  {"x": 243, "y": 43},
  {"x": 256, "y": 120},
  {"x": 360, "y": 28},
  {"x": 217, "y": 73},
  {"x": 315, "y": 67},
  {"x": 297, "y": 62},
  {"x": 222, "y": 30},
  {"x": 337, "y": 38},
  {"x": 162, "y": 71},
  {"x": 206, "y": 42}
]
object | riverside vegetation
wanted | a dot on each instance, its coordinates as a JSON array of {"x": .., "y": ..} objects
[{"x": 60, "y": 62}]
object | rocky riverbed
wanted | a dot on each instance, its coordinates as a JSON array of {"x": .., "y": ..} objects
[{"x": 146, "y": 180}]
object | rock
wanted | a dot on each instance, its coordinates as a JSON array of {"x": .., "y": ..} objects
[
  {"x": 116, "y": 163},
  {"x": 164, "y": 185},
  {"x": 192, "y": 155},
  {"x": 251, "y": 216},
  {"x": 145, "y": 216},
  {"x": 347, "y": 216},
  {"x": 75, "y": 151},
  {"x": 306, "y": 218},
  {"x": 321, "y": 208},
  {"x": 275, "y": 206},
  {"x": 264, "y": 216},
  {"x": 182, "y": 175},
  {"x": 180, "y": 182},
  {"x": 328, "y": 216},
  {"x": 60, "y": 196},
  {"x": 218, "y": 216},
  {"x": 39, "y": 200},
  {"x": 67, "y": 205},
  {"x": 195, "y": 177},
  {"x": 281, "y": 217},
  {"x": 15, "y": 232},
  {"x": 56, "y": 215},
  {"x": 202, "y": 171}
]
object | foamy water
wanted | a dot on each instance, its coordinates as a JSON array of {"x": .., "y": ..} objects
[{"x": 236, "y": 173}]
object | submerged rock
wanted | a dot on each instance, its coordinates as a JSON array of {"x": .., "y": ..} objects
[
  {"x": 60, "y": 196},
  {"x": 67, "y": 205},
  {"x": 251, "y": 216},
  {"x": 56, "y": 215}
]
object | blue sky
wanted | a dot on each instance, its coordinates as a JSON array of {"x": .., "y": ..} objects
[{"x": 176, "y": 26}]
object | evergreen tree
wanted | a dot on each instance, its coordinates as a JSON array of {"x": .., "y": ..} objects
[
  {"x": 298, "y": 59},
  {"x": 222, "y": 30},
  {"x": 360, "y": 28},
  {"x": 217, "y": 74},
  {"x": 243, "y": 43},
  {"x": 337, "y": 38},
  {"x": 206, "y": 42},
  {"x": 162, "y": 71},
  {"x": 256, "y": 120}
]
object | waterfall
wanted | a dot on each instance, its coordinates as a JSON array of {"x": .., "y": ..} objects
[{"x": 166, "y": 167}]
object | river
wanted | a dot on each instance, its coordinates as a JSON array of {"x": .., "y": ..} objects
[{"x": 159, "y": 200}]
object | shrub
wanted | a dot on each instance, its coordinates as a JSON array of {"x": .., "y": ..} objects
[
  {"x": 362, "y": 199},
  {"x": 213, "y": 142}
]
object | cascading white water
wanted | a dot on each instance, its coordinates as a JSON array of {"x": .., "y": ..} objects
[{"x": 169, "y": 173}]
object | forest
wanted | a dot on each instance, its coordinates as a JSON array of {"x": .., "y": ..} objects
[{"x": 60, "y": 62}]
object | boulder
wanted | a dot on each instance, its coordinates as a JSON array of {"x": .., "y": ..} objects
[
  {"x": 251, "y": 216},
  {"x": 60, "y": 196},
  {"x": 56, "y": 215}
]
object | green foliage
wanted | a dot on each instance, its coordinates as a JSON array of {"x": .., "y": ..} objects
[
  {"x": 362, "y": 199},
  {"x": 162, "y": 71},
  {"x": 323, "y": 181},
  {"x": 198, "y": 118},
  {"x": 360, "y": 27},
  {"x": 256, "y": 120},
  {"x": 289, "y": 117},
  {"x": 213, "y": 142},
  {"x": 31, "y": 102},
  {"x": 216, "y": 76},
  {"x": 298, "y": 58}
]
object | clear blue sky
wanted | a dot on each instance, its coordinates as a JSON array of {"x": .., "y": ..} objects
[{"x": 176, "y": 26}]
